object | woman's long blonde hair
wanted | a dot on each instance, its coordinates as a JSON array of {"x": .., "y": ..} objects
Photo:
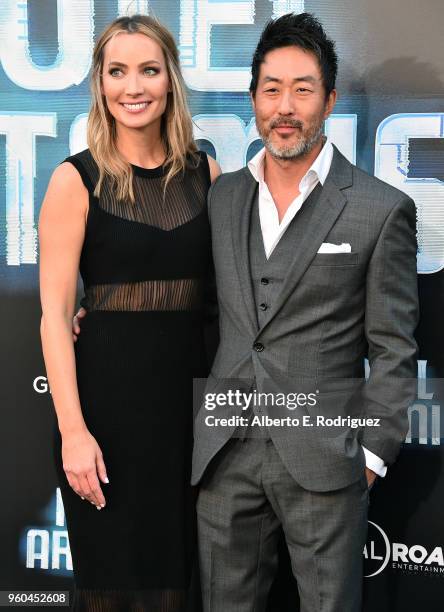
[{"x": 176, "y": 127}]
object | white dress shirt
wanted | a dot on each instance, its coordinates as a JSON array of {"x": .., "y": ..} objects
[{"x": 272, "y": 230}]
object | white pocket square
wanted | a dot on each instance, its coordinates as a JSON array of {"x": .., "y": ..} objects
[{"x": 328, "y": 247}]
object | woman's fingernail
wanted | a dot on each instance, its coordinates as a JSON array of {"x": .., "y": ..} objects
[
  {"x": 102, "y": 505},
  {"x": 82, "y": 498},
  {"x": 98, "y": 507},
  {"x": 106, "y": 479}
]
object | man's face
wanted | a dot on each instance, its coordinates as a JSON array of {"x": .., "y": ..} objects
[{"x": 290, "y": 103}]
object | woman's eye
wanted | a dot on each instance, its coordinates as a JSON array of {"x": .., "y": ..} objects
[
  {"x": 150, "y": 71},
  {"x": 115, "y": 71}
]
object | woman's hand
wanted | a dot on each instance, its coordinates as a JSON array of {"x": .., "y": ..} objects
[
  {"x": 83, "y": 465},
  {"x": 80, "y": 314}
]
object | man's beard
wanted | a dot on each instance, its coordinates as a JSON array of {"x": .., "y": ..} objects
[{"x": 303, "y": 146}]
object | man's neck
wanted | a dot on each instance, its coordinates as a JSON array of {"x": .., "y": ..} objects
[{"x": 289, "y": 172}]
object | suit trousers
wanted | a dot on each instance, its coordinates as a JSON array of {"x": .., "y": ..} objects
[{"x": 245, "y": 495}]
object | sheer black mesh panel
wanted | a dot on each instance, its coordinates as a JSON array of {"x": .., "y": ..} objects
[
  {"x": 166, "y": 214},
  {"x": 184, "y": 199},
  {"x": 178, "y": 294},
  {"x": 96, "y": 600}
]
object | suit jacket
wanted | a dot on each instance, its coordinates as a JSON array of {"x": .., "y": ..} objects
[{"x": 331, "y": 311}]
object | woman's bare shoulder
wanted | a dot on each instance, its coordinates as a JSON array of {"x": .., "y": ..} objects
[
  {"x": 66, "y": 190},
  {"x": 215, "y": 169}
]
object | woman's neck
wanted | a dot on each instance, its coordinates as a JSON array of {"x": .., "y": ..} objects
[{"x": 143, "y": 148}]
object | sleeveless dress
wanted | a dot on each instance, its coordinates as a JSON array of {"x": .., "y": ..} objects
[{"x": 144, "y": 268}]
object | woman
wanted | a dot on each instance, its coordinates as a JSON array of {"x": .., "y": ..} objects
[{"x": 130, "y": 213}]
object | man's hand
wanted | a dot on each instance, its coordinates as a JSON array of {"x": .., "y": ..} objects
[
  {"x": 80, "y": 314},
  {"x": 371, "y": 477}
]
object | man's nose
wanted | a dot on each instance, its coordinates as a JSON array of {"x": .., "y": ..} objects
[{"x": 286, "y": 103}]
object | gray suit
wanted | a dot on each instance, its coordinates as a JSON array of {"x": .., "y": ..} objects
[{"x": 308, "y": 327}]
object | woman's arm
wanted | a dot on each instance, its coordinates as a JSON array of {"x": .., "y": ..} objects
[{"x": 61, "y": 233}]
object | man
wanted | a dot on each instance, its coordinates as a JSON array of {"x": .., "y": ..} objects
[{"x": 316, "y": 269}]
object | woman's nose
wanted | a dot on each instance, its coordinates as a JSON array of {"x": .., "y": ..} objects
[{"x": 133, "y": 84}]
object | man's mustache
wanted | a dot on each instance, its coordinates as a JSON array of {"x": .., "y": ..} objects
[{"x": 294, "y": 123}]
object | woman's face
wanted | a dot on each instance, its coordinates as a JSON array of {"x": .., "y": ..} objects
[{"x": 135, "y": 81}]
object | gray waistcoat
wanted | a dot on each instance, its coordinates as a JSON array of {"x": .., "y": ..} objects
[{"x": 267, "y": 275}]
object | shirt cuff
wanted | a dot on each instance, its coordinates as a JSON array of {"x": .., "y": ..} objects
[{"x": 374, "y": 463}]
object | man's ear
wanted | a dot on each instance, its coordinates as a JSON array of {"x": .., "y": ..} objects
[
  {"x": 330, "y": 103},
  {"x": 252, "y": 101}
]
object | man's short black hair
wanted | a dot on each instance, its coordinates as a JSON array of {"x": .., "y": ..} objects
[{"x": 301, "y": 30}]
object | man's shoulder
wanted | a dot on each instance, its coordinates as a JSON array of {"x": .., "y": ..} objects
[
  {"x": 370, "y": 187},
  {"x": 229, "y": 180}
]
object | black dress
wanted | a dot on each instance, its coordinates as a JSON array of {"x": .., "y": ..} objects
[{"x": 144, "y": 267}]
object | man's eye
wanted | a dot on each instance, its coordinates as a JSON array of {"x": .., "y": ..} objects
[
  {"x": 271, "y": 90},
  {"x": 303, "y": 90}
]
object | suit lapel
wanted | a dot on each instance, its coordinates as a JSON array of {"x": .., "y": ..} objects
[
  {"x": 325, "y": 212},
  {"x": 241, "y": 204}
]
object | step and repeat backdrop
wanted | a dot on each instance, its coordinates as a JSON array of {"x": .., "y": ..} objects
[{"x": 389, "y": 120}]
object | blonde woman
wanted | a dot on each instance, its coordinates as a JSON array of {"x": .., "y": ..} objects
[{"x": 130, "y": 213}]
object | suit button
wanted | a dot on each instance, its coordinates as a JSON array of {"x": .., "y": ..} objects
[
  {"x": 264, "y": 281},
  {"x": 258, "y": 347},
  {"x": 263, "y": 306}
]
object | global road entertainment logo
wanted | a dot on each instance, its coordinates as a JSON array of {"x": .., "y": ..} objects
[{"x": 379, "y": 553}]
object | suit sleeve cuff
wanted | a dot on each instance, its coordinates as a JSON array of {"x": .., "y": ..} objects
[{"x": 374, "y": 463}]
